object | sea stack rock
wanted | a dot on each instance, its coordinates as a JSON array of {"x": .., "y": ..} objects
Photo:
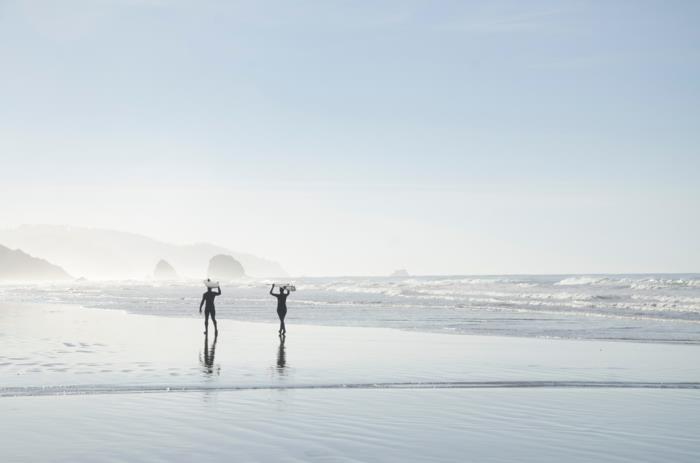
[
  {"x": 225, "y": 267},
  {"x": 164, "y": 271},
  {"x": 400, "y": 273},
  {"x": 19, "y": 266}
]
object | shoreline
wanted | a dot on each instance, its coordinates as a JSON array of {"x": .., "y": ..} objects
[
  {"x": 52, "y": 391},
  {"x": 651, "y": 310},
  {"x": 274, "y": 322}
]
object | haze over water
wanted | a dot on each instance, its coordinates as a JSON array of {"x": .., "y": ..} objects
[{"x": 355, "y": 138}]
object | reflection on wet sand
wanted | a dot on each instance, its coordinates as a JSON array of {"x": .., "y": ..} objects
[
  {"x": 207, "y": 360},
  {"x": 281, "y": 356}
]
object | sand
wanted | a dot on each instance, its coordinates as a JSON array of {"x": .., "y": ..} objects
[{"x": 100, "y": 385}]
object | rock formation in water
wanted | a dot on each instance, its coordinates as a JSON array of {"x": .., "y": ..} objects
[
  {"x": 109, "y": 254},
  {"x": 400, "y": 273},
  {"x": 16, "y": 265},
  {"x": 225, "y": 267},
  {"x": 164, "y": 271}
]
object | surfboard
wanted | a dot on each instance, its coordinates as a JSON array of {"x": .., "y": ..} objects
[
  {"x": 288, "y": 286},
  {"x": 211, "y": 284}
]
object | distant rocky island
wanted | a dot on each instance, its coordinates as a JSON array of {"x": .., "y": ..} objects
[
  {"x": 400, "y": 273},
  {"x": 164, "y": 271},
  {"x": 109, "y": 254},
  {"x": 225, "y": 267},
  {"x": 18, "y": 265}
]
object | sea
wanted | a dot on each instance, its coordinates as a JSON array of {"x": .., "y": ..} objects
[{"x": 644, "y": 308}]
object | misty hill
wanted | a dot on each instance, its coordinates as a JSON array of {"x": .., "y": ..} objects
[
  {"x": 164, "y": 271},
  {"x": 18, "y": 265},
  {"x": 96, "y": 253}
]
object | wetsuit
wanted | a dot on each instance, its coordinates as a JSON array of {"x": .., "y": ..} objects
[
  {"x": 281, "y": 308},
  {"x": 209, "y": 309}
]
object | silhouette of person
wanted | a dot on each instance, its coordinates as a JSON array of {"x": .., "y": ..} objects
[
  {"x": 208, "y": 360},
  {"x": 209, "y": 309},
  {"x": 281, "y": 307}
]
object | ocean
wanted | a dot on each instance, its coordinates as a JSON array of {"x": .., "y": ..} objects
[{"x": 648, "y": 308}]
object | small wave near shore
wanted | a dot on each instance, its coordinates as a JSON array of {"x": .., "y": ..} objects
[{"x": 651, "y": 308}]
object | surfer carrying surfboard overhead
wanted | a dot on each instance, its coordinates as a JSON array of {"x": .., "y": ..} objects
[
  {"x": 209, "y": 309},
  {"x": 281, "y": 306}
]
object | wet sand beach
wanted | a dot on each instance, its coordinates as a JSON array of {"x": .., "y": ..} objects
[{"x": 106, "y": 385}]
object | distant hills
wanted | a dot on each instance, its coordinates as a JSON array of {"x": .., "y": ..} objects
[
  {"x": 96, "y": 253},
  {"x": 18, "y": 265}
]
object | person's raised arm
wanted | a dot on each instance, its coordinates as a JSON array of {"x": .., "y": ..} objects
[
  {"x": 272, "y": 289},
  {"x": 201, "y": 304},
  {"x": 219, "y": 288}
]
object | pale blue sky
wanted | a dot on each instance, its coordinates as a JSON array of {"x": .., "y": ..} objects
[{"x": 345, "y": 137}]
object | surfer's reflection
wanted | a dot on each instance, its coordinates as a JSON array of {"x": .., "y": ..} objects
[
  {"x": 281, "y": 356},
  {"x": 207, "y": 360}
]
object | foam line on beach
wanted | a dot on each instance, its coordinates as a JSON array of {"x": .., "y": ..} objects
[{"x": 143, "y": 389}]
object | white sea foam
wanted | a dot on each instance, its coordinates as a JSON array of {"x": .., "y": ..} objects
[
  {"x": 641, "y": 283},
  {"x": 575, "y": 281},
  {"x": 576, "y": 306}
]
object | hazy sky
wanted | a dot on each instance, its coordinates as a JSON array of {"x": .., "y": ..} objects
[{"x": 349, "y": 137}]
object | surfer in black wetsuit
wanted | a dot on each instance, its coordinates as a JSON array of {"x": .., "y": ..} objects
[
  {"x": 209, "y": 309},
  {"x": 281, "y": 307}
]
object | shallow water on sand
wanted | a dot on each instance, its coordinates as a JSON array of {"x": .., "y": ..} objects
[
  {"x": 53, "y": 349},
  {"x": 81, "y": 384},
  {"x": 540, "y": 425}
]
